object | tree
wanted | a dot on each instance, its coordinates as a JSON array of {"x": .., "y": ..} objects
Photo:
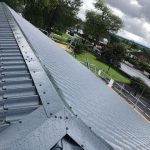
[
  {"x": 59, "y": 14},
  {"x": 34, "y": 12},
  {"x": 79, "y": 46},
  {"x": 79, "y": 24},
  {"x": 114, "y": 54},
  {"x": 15, "y": 4},
  {"x": 140, "y": 87},
  {"x": 64, "y": 14},
  {"x": 101, "y": 22}
]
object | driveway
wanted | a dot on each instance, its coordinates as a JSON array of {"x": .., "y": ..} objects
[{"x": 134, "y": 73}]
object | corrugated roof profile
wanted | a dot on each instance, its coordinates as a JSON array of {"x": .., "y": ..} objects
[
  {"x": 32, "y": 104},
  {"x": 94, "y": 102},
  {"x": 73, "y": 101}
]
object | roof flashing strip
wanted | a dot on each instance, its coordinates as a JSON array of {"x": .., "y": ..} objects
[
  {"x": 39, "y": 132},
  {"x": 48, "y": 95}
]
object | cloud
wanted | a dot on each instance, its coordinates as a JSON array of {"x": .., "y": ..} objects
[
  {"x": 116, "y": 11},
  {"x": 129, "y": 7},
  {"x": 87, "y": 5},
  {"x": 133, "y": 37},
  {"x": 133, "y": 24},
  {"x": 134, "y": 13}
]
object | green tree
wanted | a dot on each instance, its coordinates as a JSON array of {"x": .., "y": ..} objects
[
  {"x": 59, "y": 14},
  {"x": 64, "y": 14},
  {"x": 101, "y": 22},
  {"x": 34, "y": 12},
  {"x": 13, "y": 4},
  {"x": 114, "y": 54},
  {"x": 140, "y": 87},
  {"x": 79, "y": 24},
  {"x": 79, "y": 46}
]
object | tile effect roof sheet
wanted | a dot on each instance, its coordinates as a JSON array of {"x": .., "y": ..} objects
[
  {"x": 85, "y": 108},
  {"x": 18, "y": 96}
]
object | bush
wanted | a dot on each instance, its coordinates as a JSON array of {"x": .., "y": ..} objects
[
  {"x": 61, "y": 38},
  {"x": 147, "y": 69},
  {"x": 114, "y": 54},
  {"x": 139, "y": 85},
  {"x": 79, "y": 47},
  {"x": 138, "y": 64}
]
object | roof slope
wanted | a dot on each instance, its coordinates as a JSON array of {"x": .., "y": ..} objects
[
  {"x": 76, "y": 91},
  {"x": 18, "y": 96},
  {"x": 49, "y": 123}
]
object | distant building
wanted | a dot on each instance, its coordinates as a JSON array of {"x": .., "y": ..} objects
[{"x": 141, "y": 56}]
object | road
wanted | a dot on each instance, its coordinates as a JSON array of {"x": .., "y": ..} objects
[{"x": 134, "y": 72}]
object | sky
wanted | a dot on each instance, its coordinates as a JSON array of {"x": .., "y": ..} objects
[{"x": 134, "y": 13}]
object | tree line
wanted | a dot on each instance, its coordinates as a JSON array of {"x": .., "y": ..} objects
[
  {"x": 60, "y": 14},
  {"x": 63, "y": 14}
]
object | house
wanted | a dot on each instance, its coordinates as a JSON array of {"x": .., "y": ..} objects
[{"x": 141, "y": 56}]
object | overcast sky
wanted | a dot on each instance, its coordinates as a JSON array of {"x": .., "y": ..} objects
[{"x": 134, "y": 13}]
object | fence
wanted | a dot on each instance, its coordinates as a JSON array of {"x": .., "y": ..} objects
[{"x": 136, "y": 102}]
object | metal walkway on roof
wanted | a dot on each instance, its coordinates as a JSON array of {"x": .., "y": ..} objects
[{"x": 18, "y": 95}]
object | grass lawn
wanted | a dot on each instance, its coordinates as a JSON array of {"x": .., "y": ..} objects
[
  {"x": 92, "y": 60},
  {"x": 102, "y": 66},
  {"x": 63, "y": 37}
]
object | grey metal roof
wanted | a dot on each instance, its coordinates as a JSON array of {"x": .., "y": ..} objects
[
  {"x": 74, "y": 102},
  {"x": 18, "y": 96},
  {"x": 36, "y": 115}
]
